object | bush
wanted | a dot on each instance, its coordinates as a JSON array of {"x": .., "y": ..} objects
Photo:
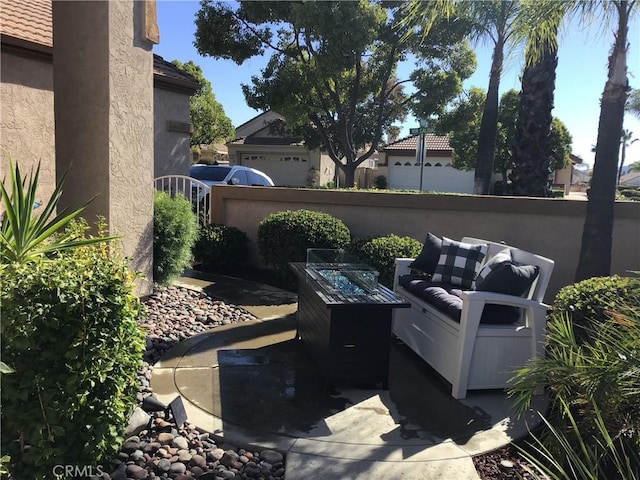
[
  {"x": 381, "y": 252},
  {"x": 174, "y": 233},
  {"x": 285, "y": 236},
  {"x": 219, "y": 246},
  {"x": 380, "y": 181},
  {"x": 591, "y": 384},
  {"x": 631, "y": 193},
  {"x": 70, "y": 333},
  {"x": 590, "y": 299}
]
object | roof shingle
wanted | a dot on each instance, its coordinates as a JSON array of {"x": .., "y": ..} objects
[
  {"x": 410, "y": 143},
  {"x": 32, "y": 21},
  {"x": 29, "y": 20}
]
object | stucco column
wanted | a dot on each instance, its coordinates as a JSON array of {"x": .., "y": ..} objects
[{"x": 103, "y": 100}]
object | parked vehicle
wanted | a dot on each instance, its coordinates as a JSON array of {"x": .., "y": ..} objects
[
  {"x": 212, "y": 175},
  {"x": 230, "y": 175}
]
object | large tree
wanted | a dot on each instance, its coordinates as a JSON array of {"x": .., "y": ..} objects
[
  {"x": 332, "y": 70},
  {"x": 633, "y": 103},
  {"x": 494, "y": 21},
  {"x": 210, "y": 123},
  {"x": 462, "y": 124},
  {"x": 597, "y": 235},
  {"x": 539, "y": 21}
]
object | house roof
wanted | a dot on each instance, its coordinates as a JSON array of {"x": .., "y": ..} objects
[
  {"x": 264, "y": 136},
  {"x": 629, "y": 177},
  {"x": 28, "y": 20},
  {"x": 575, "y": 159},
  {"x": 29, "y": 24},
  {"x": 410, "y": 143}
]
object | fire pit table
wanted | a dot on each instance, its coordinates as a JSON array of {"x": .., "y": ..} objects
[{"x": 344, "y": 318}]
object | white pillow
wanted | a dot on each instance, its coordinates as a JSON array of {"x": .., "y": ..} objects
[{"x": 459, "y": 262}]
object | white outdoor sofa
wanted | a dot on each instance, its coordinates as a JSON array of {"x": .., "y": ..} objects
[{"x": 469, "y": 354}]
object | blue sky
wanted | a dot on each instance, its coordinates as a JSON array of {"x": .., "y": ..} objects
[{"x": 581, "y": 74}]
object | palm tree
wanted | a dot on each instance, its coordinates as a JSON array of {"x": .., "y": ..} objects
[
  {"x": 493, "y": 21},
  {"x": 634, "y": 167},
  {"x": 625, "y": 142},
  {"x": 595, "y": 252},
  {"x": 633, "y": 103},
  {"x": 532, "y": 149}
]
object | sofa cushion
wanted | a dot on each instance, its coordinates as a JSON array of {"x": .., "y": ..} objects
[
  {"x": 428, "y": 259},
  {"x": 459, "y": 263},
  {"x": 447, "y": 299},
  {"x": 441, "y": 296},
  {"x": 509, "y": 278},
  {"x": 493, "y": 263}
]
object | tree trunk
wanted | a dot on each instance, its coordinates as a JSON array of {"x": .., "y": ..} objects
[
  {"x": 349, "y": 174},
  {"x": 489, "y": 125},
  {"x": 595, "y": 253},
  {"x": 532, "y": 146}
]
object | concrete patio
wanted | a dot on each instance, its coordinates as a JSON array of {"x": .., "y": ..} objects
[{"x": 254, "y": 384}]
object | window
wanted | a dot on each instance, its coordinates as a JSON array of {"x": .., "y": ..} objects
[
  {"x": 438, "y": 164},
  {"x": 398, "y": 164},
  {"x": 257, "y": 180},
  {"x": 239, "y": 177}
]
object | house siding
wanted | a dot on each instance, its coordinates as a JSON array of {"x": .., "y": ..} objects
[
  {"x": 26, "y": 118},
  {"x": 171, "y": 148}
]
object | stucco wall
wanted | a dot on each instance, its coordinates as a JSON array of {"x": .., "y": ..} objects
[
  {"x": 26, "y": 118},
  {"x": 104, "y": 119},
  {"x": 548, "y": 227},
  {"x": 171, "y": 148}
]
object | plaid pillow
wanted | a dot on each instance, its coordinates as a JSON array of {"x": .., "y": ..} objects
[
  {"x": 459, "y": 262},
  {"x": 494, "y": 263}
]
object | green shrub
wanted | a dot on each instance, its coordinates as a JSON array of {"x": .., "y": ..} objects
[
  {"x": 285, "y": 236},
  {"x": 632, "y": 193},
  {"x": 590, "y": 299},
  {"x": 590, "y": 384},
  {"x": 174, "y": 233},
  {"x": 220, "y": 246},
  {"x": 70, "y": 333},
  {"x": 380, "y": 181},
  {"x": 381, "y": 252}
]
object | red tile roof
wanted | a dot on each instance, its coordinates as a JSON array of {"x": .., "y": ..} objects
[
  {"x": 32, "y": 21},
  {"x": 28, "y": 20},
  {"x": 410, "y": 143}
]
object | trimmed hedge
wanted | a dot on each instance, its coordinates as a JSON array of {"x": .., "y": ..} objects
[
  {"x": 285, "y": 236},
  {"x": 590, "y": 299},
  {"x": 381, "y": 252},
  {"x": 219, "y": 246},
  {"x": 70, "y": 333},
  {"x": 174, "y": 233}
]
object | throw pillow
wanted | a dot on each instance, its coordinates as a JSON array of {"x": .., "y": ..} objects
[
  {"x": 494, "y": 262},
  {"x": 459, "y": 262},
  {"x": 428, "y": 259},
  {"x": 509, "y": 278}
]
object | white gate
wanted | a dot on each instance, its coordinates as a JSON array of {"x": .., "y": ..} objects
[{"x": 192, "y": 189}]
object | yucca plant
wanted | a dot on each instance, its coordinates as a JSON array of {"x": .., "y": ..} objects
[
  {"x": 593, "y": 423},
  {"x": 583, "y": 456},
  {"x": 25, "y": 236}
]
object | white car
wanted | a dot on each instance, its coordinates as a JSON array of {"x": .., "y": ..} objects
[
  {"x": 225, "y": 175},
  {"x": 230, "y": 175}
]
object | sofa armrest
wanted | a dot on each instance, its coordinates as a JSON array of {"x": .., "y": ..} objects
[
  {"x": 473, "y": 303},
  {"x": 501, "y": 299},
  {"x": 402, "y": 268}
]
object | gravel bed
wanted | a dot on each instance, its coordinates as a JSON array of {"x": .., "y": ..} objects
[{"x": 163, "y": 451}]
